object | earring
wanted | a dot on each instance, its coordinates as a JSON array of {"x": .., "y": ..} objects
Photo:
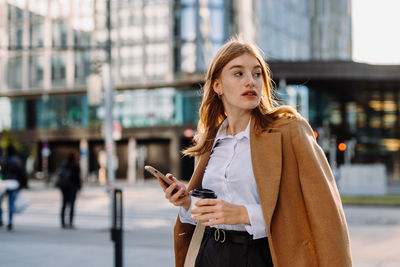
[{"x": 219, "y": 96}]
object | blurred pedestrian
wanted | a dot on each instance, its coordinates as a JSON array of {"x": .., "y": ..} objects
[
  {"x": 278, "y": 204},
  {"x": 69, "y": 183},
  {"x": 13, "y": 177}
]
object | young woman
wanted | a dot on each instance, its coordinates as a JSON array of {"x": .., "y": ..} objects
[{"x": 278, "y": 203}]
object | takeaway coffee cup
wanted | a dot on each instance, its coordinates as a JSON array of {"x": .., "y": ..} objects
[{"x": 200, "y": 193}]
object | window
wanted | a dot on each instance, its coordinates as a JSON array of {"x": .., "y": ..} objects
[
  {"x": 59, "y": 34},
  {"x": 36, "y": 37},
  {"x": 14, "y": 72},
  {"x": 58, "y": 69},
  {"x": 36, "y": 71},
  {"x": 15, "y": 36},
  {"x": 82, "y": 66},
  {"x": 188, "y": 24},
  {"x": 131, "y": 60}
]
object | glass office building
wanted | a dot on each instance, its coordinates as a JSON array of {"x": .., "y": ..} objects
[{"x": 160, "y": 50}]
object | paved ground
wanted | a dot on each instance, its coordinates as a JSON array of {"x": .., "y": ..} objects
[{"x": 39, "y": 241}]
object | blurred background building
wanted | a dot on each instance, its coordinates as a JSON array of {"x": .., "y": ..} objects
[{"x": 160, "y": 49}]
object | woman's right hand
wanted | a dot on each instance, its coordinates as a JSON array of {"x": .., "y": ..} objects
[{"x": 178, "y": 198}]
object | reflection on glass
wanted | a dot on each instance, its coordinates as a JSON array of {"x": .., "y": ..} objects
[
  {"x": 188, "y": 24},
  {"x": 336, "y": 116},
  {"x": 5, "y": 113},
  {"x": 82, "y": 66},
  {"x": 389, "y": 120},
  {"x": 361, "y": 117},
  {"x": 62, "y": 112},
  {"x": 58, "y": 69},
  {"x": 15, "y": 36},
  {"x": 131, "y": 60},
  {"x": 351, "y": 116},
  {"x": 217, "y": 24},
  {"x": 36, "y": 35},
  {"x": 163, "y": 106},
  {"x": 15, "y": 11},
  {"x": 18, "y": 114},
  {"x": 36, "y": 71},
  {"x": 156, "y": 60},
  {"x": 188, "y": 2},
  {"x": 375, "y": 122},
  {"x": 391, "y": 144},
  {"x": 59, "y": 33},
  {"x": 188, "y": 56},
  {"x": 14, "y": 72}
]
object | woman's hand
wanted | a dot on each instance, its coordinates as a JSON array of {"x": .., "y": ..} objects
[
  {"x": 179, "y": 198},
  {"x": 220, "y": 212}
]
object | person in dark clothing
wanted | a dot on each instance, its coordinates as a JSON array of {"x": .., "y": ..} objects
[
  {"x": 12, "y": 172},
  {"x": 69, "y": 182}
]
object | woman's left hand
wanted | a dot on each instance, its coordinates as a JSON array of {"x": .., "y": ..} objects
[{"x": 220, "y": 212}]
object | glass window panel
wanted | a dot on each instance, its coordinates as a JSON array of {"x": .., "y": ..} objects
[
  {"x": 188, "y": 55},
  {"x": 36, "y": 35},
  {"x": 58, "y": 69},
  {"x": 188, "y": 2},
  {"x": 136, "y": 15},
  {"x": 15, "y": 36},
  {"x": 361, "y": 117},
  {"x": 14, "y": 73},
  {"x": 131, "y": 62},
  {"x": 81, "y": 38},
  {"x": 15, "y": 13},
  {"x": 36, "y": 71},
  {"x": 81, "y": 66},
  {"x": 188, "y": 24},
  {"x": 5, "y": 113},
  {"x": 18, "y": 114},
  {"x": 217, "y": 24},
  {"x": 62, "y": 112},
  {"x": 211, "y": 2},
  {"x": 59, "y": 33}
]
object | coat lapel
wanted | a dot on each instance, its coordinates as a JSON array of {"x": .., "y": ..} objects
[{"x": 266, "y": 156}]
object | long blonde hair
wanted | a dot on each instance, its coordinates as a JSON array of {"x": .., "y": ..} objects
[{"x": 212, "y": 112}]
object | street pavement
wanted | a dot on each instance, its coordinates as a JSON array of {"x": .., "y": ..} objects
[{"x": 38, "y": 240}]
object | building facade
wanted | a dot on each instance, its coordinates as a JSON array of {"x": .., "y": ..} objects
[{"x": 160, "y": 50}]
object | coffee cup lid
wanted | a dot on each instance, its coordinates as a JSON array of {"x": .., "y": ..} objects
[{"x": 203, "y": 193}]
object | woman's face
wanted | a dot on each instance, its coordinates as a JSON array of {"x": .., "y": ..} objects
[{"x": 240, "y": 84}]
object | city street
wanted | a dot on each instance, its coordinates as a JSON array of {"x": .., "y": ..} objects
[{"x": 38, "y": 240}]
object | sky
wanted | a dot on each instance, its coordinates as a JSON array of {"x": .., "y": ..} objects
[{"x": 376, "y": 31}]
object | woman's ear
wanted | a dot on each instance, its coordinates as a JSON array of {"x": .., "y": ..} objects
[{"x": 216, "y": 85}]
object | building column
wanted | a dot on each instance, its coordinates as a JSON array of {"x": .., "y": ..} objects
[
  {"x": 174, "y": 155},
  {"x": 84, "y": 159},
  {"x": 131, "y": 172}
]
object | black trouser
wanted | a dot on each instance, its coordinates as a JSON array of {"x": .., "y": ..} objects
[
  {"x": 232, "y": 249},
  {"x": 69, "y": 196}
]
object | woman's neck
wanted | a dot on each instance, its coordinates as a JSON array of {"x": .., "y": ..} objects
[{"x": 237, "y": 124}]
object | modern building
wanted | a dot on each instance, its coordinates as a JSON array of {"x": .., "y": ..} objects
[{"x": 161, "y": 48}]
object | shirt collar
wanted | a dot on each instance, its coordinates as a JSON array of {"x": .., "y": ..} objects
[{"x": 221, "y": 134}]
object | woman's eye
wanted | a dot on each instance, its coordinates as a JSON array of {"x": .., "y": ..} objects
[
  {"x": 257, "y": 75},
  {"x": 238, "y": 74}
]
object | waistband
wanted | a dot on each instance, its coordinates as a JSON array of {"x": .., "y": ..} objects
[{"x": 239, "y": 237}]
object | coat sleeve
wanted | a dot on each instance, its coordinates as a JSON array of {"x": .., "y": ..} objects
[{"x": 321, "y": 197}]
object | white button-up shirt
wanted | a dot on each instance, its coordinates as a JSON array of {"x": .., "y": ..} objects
[{"x": 229, "y": 173}]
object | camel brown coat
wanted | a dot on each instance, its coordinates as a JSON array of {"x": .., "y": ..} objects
[{"x": 301, "y": 205}]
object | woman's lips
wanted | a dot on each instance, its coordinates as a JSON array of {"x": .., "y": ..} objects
[{"x": 250, "y": 93}]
